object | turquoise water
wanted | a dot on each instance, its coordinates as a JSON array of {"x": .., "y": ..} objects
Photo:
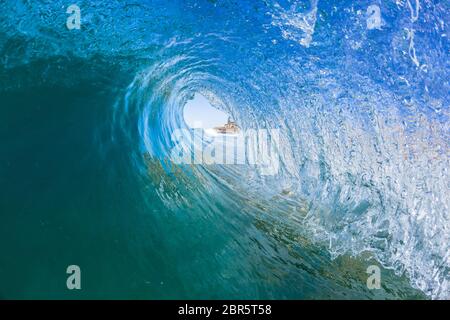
[{"x": 86, "y": 123}]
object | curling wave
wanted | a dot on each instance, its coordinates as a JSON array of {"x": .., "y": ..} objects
[{"x": 362, "y": 114}]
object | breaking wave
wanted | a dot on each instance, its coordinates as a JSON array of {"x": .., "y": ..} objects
[{"x": 362, "y": 112}]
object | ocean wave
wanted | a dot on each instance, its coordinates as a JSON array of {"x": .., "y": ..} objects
[{"x": 362, "y": 114}]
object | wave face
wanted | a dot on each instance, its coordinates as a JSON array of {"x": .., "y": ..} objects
[{"x": 361, "y": 103}]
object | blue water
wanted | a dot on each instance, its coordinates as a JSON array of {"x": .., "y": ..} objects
[{"x": 86, "y": 123}]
